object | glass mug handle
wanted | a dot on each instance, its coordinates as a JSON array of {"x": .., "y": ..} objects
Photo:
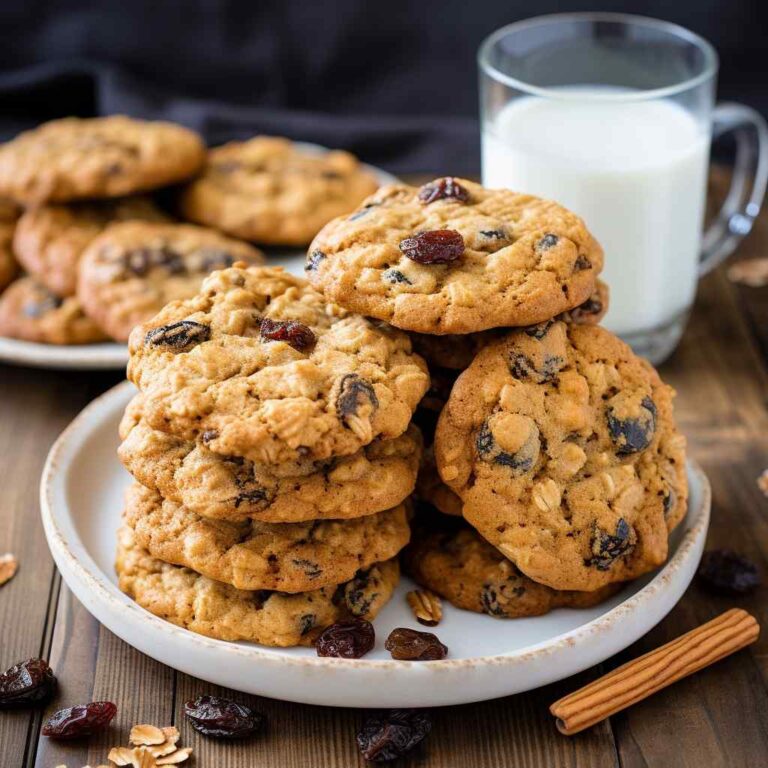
[{"x": 739, "y": 211}]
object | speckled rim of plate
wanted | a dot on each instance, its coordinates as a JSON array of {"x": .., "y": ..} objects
[
  {"x": 72, "y": 558},
  {"x": 111, "y": 355}
]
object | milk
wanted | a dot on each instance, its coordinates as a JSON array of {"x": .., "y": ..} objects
[{"x": 635, "y": 171}]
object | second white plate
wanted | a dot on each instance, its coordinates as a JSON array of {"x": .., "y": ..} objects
[{"x": 82, "y": 495}]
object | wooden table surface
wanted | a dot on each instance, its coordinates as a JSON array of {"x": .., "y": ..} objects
[{"x": 718, "y": 717}]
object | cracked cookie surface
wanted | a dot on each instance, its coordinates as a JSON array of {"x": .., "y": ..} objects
[
  {"x": 288, "y": 557},
  {"x": 76, "y": 158},
  {"x": 50, "y": 239},
  {"x": 453, "y": 560},
  {"x": 260, "y": 365},
  {"x": 453, "y": 257},
  {"x": 133, "y": 269},
  {"x": 562, "y": 446},
  {"x": 377, "y": 477},
  {"x": 29, "y": 311},
  {"x": 218, "y": 610},
  {"x": 275, "y": 192}
]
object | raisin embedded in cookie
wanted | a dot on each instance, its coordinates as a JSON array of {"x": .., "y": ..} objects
[
  {"x": 378, "y": 477},
  {"x": 50, "y": 239},
  {"x": 455, "y": 258},
  {"x": 262, "y": 366},
  {"x": 73, "y": 159},
  {"x": 456, "y": 353},
  {"x": 218, "y": 610},
  {"x": 134, "y": 268},
  {"x": 455, "y": 562},
  {"x": 29, "y": 311},
  {"x": 272, "y": 191},
  {"x": 563, "y": 448}
]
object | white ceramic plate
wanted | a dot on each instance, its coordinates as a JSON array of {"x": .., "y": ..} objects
[
  {"x": 88, "y": 357},
  {"x": 81, "y": 498}
]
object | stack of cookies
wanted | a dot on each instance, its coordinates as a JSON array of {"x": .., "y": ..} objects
[
  {"x": 553, "y": 441},
  {"x": 273, "y": 453},
  {"x": 101, "y": 256}
]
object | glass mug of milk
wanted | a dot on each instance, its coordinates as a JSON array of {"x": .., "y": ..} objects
[{"x": 613, "y": 115}]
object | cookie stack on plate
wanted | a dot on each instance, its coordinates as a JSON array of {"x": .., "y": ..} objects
[
  {"x": 555, "y": 442},
  {"x": 273, "y": 452}
]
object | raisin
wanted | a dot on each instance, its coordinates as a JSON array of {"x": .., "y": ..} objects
[
  {"x": 251, "y": 496},
  {"x": 214, "y": 258},
  {"x": 313, "y": 260},
  {"x": 670, "y": 501},
  {"x": 522, "y": 367},
  {"x": 222, "y": 718},
  {"x": 366, "y": 209},
  {"x": 80, "y": 720},
  {"x": 728, "y": 573},
  {"x": 346, "y": 639},
  {"x": 443, "y": 189},
  {"x": 548, "y": 241},
  {"x": 26, "y": 684},
  {"x": 359, "y": 594},
  {"x": 494, "y": 234},
  {"x": 411, "y": 645},
  {"x": 46, "y": 303},
  {"x": 582, "y": 262},
  {"x": 210, "y": 434},
  {"x": 392, "y": 735},
  {"x": 395, "y": 276},
  {"x": 179, "y": 336},
  {"x": 586, "y": 311},
  {"x": 437, "y": 246},
  {"x": 495, "y": 597},
  {"x": 307, "y": 623},
  {"x": 631, "y": 434},
  {"x": 140, "y": 260},
  {"x": 297, "y": 335},
  {"x": 539, "y": 331},
  {"x": 519, "y": 463},
  {"x": 607, "y": 548},
  {"x": 356, "y": 396}
]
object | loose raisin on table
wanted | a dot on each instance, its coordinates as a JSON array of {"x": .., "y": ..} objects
[
  {"x": 26, "y": 684},
  {"x": 728, "y": 573},
  {"x": 392, "y": 735},
  {"x": 411, "y": 645},
  {"x": 178, "y": 336},
  {"x": 298, "y": 335},
  {"x": 346, "y": 639},
  {"x": 437, "y": 246},
  {"x": 80, "y": 720},
  {"x": 443, "y": 189},
  {"x": 222, "y": 718}
]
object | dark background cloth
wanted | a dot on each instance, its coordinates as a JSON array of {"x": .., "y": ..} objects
[{"x": 393, "y": 80}]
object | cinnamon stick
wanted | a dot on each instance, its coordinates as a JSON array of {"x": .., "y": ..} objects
[{"x": 641, "y": 678}]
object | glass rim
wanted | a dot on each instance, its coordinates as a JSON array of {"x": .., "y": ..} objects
[{"x": 711, "y": 60}]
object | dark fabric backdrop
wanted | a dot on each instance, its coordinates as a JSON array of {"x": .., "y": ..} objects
[{"x": 394, "y": 81}]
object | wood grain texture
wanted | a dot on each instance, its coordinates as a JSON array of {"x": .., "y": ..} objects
[{"x": 718, "y": 717}]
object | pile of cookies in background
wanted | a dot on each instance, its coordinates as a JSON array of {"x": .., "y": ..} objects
[
  {"x": 554, "y": 471},
  {"x": 92, "y": 239},
  {"x": 273, "y": 452}
]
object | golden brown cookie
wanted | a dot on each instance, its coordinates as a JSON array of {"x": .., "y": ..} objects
[
  {"x": 455, "y": 353},
  {"x": 453, "y": 257},
  {"x": 50, "y": 239},
  {"x": 272, "y": 191},
  {"x": 563, "y": 448},
  {"x": 29, "y": 311},
  {"x": 73, "y": 159},
  {"x": 288, "y": 557},
  {"x": 262, "y": 366},
  {"x": 134, "y": 268},
  {"x": 379, "y": 476},
  {"x": 218, "y": 610},
  {"x": 455, "y": 562}
]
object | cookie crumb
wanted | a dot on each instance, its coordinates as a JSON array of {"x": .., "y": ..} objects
[
  {"x": 8, "y": 567},
  {"x": 751, "y": 272}
]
